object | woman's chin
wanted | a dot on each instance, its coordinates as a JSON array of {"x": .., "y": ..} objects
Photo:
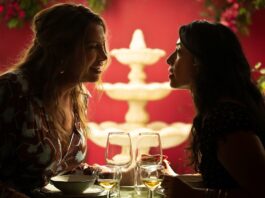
[
  {"x": 91, "y": 78},
  {"x": 176, "y": 85},
  {"x": 173, "y": 83}
]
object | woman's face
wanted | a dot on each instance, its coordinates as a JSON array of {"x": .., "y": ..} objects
[
  {"x": 96, "y": 53},
  {"x": 181, "y": 68}
]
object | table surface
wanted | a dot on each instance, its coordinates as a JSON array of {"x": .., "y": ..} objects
[
  {"x": 194, "y": 180},
  {"x": 125, "y": 192}
]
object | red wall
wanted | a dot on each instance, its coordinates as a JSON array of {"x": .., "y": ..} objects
[{"x": 159, "y": 20}]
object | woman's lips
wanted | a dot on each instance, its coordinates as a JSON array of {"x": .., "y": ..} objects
[
  {"x": 96, "y": 69},
  {"x": 170, "y": 71},
  {"x": 171, "y": 76}
]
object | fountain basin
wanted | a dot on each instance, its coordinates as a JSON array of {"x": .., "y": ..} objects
[
  {"x": 145, "y": 56},
  {"x": 141, "y": 92},
  {"x": 171, "y": 134}
]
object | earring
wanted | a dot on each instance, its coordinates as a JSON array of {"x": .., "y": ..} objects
[
  {"x": 62, "y": 72},
  {"x": 195, "y": 62}
]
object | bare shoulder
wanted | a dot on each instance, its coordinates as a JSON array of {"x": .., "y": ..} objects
[
  {"x": 243, "y": 155},
  {"x": 240, "y": 139}
]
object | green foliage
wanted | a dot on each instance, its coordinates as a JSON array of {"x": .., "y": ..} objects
[
  {"x": 16, "y": 12},
  {"x": 97, "y": 5},
  {"x": 235, "y": 14}
]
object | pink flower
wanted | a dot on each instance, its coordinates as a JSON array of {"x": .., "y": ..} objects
[
  {"x": 9, "y": 12},
  {"x": 231, "y": 1},
  {"x": 230, "y": 13},
  {"x": 11, "y": 9},
  {"x": 229, "y": 17},
  {"x": 21, "y": 14},
  {"x": 231, "y": 24},
  {"x": 1, "y": 8},
  {"x": 235, "y": 6},
  {"x": 16, "y": 5}
]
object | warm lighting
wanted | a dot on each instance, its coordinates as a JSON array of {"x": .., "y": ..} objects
[{"x": 137, "y": 93}]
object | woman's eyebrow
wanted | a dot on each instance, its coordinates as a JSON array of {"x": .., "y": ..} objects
[{"x": 91, "y": 41}]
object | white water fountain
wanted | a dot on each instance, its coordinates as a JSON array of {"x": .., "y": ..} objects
[{"x": 137, "y": 93}]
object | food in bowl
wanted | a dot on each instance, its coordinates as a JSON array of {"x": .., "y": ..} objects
[{"x": 73, "y": 184}]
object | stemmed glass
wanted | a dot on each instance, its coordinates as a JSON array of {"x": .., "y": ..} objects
[
  {"x": 149, "y": 148},
  {"x": 148, "y": 152},
  {"x": 108, "y": 177},
  {"x": 119, "y": 152},
  {"x": 152, "y": 176}
]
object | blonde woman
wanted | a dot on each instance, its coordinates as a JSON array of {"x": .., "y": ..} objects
[{"x": 43, "y": 99}]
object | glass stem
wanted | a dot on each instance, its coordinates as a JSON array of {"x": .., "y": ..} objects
[
  {"x": 150, "y": 194},
  {"x": 119, "y": 183},
  {"x": 108, "y": 192},
  {"x": 118, "y": 189}
]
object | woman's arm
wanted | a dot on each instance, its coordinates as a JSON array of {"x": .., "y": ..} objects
[
  {"x": 243, "y": 156},
  {"x": 176, "y": 186},
  {"x": 7, "y": 140},
  {"x": 184, "y": 186},
  {"x": 8, "y": 192}
]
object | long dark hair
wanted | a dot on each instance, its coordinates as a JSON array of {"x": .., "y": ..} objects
[{"x": 222, "y": 72}]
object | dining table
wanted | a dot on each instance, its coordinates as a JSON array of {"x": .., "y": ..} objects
[
  {"x": 194, "y": 180},
  {"x": 125, "y": 192}
]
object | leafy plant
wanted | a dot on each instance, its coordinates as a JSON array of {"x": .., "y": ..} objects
[
  {"x": 258, "y": 70},
  {"x": 97, "y": 5},
  {"x": 235, "y": 14},
  {"x": 16, "y": 12}
]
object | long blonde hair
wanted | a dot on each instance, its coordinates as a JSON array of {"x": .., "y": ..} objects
[{"x": 58, "y": 47}]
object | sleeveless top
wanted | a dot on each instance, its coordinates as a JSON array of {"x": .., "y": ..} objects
[
  {"x": 30, "y": 150},
  {"x": 224, "y": 119}
]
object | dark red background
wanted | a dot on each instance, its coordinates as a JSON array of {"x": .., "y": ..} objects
[{"x": 159, "y": 21}]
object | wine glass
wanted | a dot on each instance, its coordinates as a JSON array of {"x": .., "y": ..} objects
[
  {"x": 148, "y": 152},
  {"x": 118, "y": 152},
  {"x": 152, "y": 176},
  {"x": 148, "y": 149},
  {"x": 108, "y": 177},
  {"x": 119, "y": 149}
]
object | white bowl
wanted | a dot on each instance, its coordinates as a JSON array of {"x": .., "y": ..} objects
[{"x": 73, "y": 184}]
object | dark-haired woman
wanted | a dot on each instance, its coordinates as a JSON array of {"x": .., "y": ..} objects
[{"x": 228, "y": 133}]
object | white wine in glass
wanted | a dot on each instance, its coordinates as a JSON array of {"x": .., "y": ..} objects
[
  {"x": 108, "y": 177},
  {"x": 118, "y": 152},
  {"x": 152, "y": 182},
  {"x": 152, "y": 176},
  {"x": 148, "y": 152},
  {"x": 107, "y": 183}
]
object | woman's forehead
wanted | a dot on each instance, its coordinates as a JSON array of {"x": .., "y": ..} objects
[{"x": 95, "y": 33}]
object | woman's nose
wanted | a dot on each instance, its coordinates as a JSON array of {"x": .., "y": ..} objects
[
  {"x": 103, "y": 55},
  {"x": 171, "y": 59}
]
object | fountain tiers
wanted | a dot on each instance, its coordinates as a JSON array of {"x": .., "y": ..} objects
[{"x": 137, "y": 93}]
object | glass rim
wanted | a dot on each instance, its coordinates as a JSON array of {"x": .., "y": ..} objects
[
  {"x": 149, "y": 133},
  {"x": 118, "y": 132}
]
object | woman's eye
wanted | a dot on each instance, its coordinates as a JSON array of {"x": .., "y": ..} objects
[
  {"x": 96, "y": 46},
  {"x": 92, "y": 46}
]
